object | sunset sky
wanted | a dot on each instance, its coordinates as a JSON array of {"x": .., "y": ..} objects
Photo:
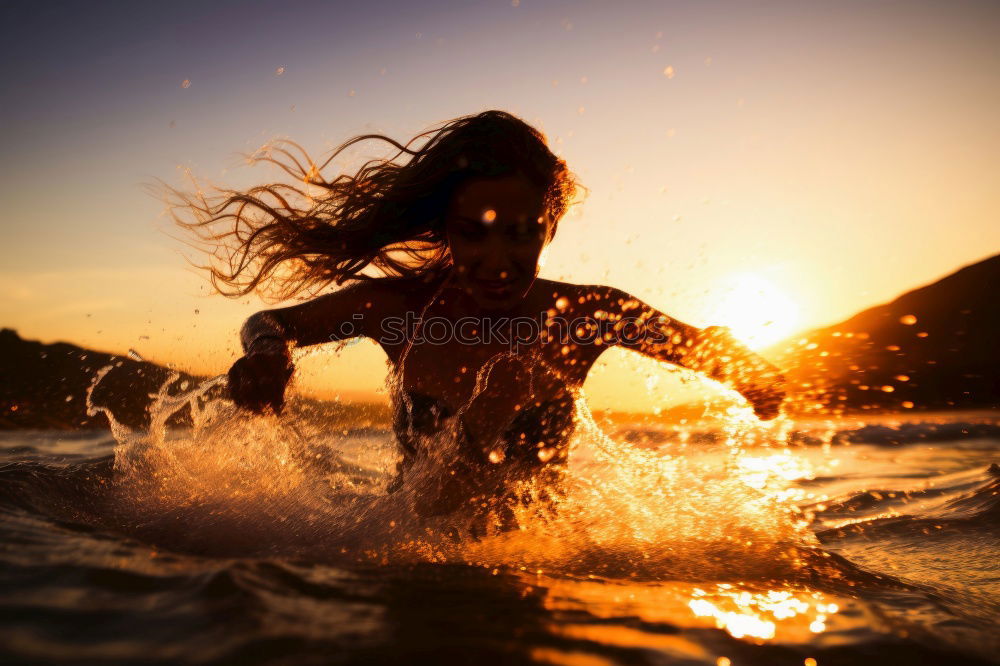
[{"x": 784, "y": 162}]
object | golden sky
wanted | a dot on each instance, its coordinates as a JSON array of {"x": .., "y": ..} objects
[{"x": 773, "y": 168}]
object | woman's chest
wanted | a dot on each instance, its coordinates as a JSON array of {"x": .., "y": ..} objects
[{"x": 455, "y": 372}]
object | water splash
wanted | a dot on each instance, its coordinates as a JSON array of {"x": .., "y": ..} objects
[{"x": 290, "y": 486}]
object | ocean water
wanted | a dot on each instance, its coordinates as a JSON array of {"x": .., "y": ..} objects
[{"x": 250, "y": 540}]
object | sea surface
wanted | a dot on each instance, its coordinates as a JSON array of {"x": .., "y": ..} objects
[{"x": 259, "y": 540}]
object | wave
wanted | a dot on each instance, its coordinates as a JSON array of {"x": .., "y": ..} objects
[
  {"x": 878, "y": 434},
  {"x": 967, "y": 504},
  {"x": 908, "y": 433}
]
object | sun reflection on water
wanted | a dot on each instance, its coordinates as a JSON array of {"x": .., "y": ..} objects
[
  {"x": 758, "y": 615},
  {"x": 758, "y": 471}
]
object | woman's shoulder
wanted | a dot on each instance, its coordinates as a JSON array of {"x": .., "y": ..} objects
[
  {"x": 399, "y": 293},
  {"x": 583, "y": 298}
]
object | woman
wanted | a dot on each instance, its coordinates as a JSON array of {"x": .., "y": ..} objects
[{"x": 440, "y": 256}]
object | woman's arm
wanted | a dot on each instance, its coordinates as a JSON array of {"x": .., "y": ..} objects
[
  {"x": 258, "y": 379},
  {"x": 713, "y": 351},
  {"x": 346, "y": 313}
]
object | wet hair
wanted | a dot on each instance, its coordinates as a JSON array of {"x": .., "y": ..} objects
[{"x": 386, "y": 221}]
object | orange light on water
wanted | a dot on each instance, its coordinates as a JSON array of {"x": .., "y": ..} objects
[{"x": 758, "y": 615}]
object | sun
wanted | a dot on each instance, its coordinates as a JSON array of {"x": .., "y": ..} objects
[{"x": 755, "y": 309}]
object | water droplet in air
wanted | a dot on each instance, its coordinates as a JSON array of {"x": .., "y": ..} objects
[
  {"x": 186, "y": 83},
  {"x": 669, "y": 71},
  {"x": 134, "y": 355},
  {"x": 496, "y": 456},
  {"x": 279, "y": 71},
  {"x": 908, "y": 320}
]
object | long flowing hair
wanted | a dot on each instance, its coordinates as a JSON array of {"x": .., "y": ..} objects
[{"x": 386, "y": 221}]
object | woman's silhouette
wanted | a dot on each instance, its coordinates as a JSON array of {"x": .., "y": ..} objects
[{"x": 437, "y": 255}]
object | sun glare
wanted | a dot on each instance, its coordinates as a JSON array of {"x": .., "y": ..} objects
[{"x": 758, "y": 312}]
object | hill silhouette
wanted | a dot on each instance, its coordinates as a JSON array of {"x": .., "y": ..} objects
[
  {"x": 44, "y": 386},
  {"x": 936, "y": 347}
]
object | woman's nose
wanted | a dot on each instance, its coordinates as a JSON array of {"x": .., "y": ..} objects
[{"x": 496, "y": 261}]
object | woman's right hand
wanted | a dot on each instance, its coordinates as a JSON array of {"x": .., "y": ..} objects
[{"x": 258, "y": 381}]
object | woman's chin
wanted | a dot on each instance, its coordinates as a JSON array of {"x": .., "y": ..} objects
[{"x": 497, "y": 300}]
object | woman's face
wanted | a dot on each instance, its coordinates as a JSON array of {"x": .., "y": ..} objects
[{"x": 496, "y": 229}]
